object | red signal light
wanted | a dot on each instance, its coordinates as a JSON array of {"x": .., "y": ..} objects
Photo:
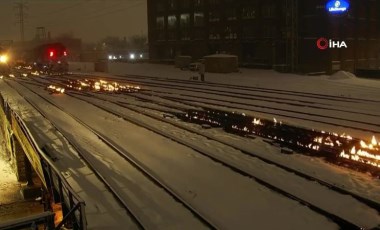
[
  {"x": 51, "y": 54},
  {"x": 64, "y": 53}
]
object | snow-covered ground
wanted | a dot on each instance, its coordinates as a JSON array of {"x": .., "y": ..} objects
[
  {"x": 313, "y": 192},
  {"x": 355, "y": 182},
  {"x": 197, "y": 179},
  {"x": 12, "y": 205},
  {"x": 224, "y": 197},
  {"x": 9, "y": 186}
]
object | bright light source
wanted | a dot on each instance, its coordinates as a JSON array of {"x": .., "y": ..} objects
[
  {"x": 114, "y": 58},
  {"x": 110, "y": 57},
  {"x": 132, "y": 56},
  {"x": 64, "y": 53},
  {"x": 3, "y": 58},
  {"x": 51, "y": 54},
  {"x": 141, "y": 56}
]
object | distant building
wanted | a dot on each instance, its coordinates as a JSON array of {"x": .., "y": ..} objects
[{"x": 279, "y": 34}]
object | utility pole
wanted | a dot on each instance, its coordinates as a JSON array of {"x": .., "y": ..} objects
[{"x": 20, "y": 7}]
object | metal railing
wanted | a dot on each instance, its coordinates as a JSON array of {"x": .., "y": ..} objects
[{"x": 73, "y": 207}]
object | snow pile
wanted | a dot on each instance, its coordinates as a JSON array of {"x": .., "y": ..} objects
[{"x": 342, "y": 75}]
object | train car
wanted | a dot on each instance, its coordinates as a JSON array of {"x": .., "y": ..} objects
[{"x": 50, "y": 58}]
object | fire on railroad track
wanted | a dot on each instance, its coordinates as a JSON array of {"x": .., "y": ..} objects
[
  {"x": 100, "y": 86},
  {"x": 339, "y": 149},
  {"x": 92, "y": 86},
  {"x": 55, "y": 89}
]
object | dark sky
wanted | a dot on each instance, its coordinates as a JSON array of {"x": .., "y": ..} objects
[{"x": 90, "y": 20}]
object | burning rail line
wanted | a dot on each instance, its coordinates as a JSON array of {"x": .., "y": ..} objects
[
  {"x": 338, "y": 149},
  {"x": 94, "y": 86}
]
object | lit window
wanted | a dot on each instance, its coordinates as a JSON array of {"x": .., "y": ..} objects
[
  {"x": 248, "y": 13},
  {"x": 214, "y": 17},
  {"x": 160, "y": 23},
  {"x": 198, "y": 19},
  {"x": 185, "y": 20},
  {"x": 172, "y": 22}
]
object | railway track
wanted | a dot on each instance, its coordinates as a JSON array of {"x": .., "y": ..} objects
[
  {"x": 270, "y": 110},
  {"x": 127, "y": 156},
  {"x": 206, "y": 103},
  {"x": 367, "y": 201},
  {"x": 188, "y": 84},
  {"x": 337, "y": 219}
]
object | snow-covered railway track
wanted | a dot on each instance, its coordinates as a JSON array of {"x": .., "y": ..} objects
[
  {"x": 344, "y": 223},
  {"x": 246, "y": 90},
  {"x": 251, "y": 88},
  {"x": 137, "y": 109},
  {"x": 117, "y": 193},
  {"x": 340, "y": 114},
  {"x": 341, "y": 221},
  {"x": 205, "y": 102},
  {"x": 332, "y": 121},
  {"x": 117, "y": 100},
  {"x": 327, "y": 221}
]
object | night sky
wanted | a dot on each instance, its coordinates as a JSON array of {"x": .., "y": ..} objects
[{"x": 90, "y": 20}]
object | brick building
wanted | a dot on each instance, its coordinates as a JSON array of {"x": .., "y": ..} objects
[{"x": 279, "y": 34}]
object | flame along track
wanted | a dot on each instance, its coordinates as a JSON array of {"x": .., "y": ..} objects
[{"x": 362, "y": 155}]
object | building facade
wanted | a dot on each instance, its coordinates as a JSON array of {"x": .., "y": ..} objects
[{"x": 279, "y": 34}]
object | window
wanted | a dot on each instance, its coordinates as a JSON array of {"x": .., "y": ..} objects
[
  {"x": 268, "y": 10},
  {"x": 185, "y": 35},
  {"x": 214, "y": 16},
  {"x": 172, "y": 22},
  {"x": 231, "y": 14},
  {"x": 198, "y": 19},
  {"x": 185, "y": 20},
  {"x": 230, "y": 33},
  {"x": 248, "y": 13},
  {"x": 214, "y": 34},
  {"x": 160, "y": 23}
]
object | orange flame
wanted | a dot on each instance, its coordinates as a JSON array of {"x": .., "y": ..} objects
[
  {"x": 353, "y": 150},
  {"x": 374, "y": 141}
]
